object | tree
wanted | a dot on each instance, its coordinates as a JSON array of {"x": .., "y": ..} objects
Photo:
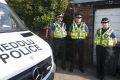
[{"x": 38, "y": 13}]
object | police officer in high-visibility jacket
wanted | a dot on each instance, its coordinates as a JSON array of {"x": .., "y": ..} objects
[
  {"x": 105, "y": 40},
  {"x": 58, "y": 33},
  {"x": 78, "y": 31}
]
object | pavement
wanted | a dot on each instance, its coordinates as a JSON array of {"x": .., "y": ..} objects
[{"x": 90, "y": 74}]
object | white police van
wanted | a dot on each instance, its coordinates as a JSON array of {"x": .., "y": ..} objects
[{"x": 23, "y": 55}]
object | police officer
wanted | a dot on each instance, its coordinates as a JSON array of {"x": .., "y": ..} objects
[
  {"x": 58, "y": 33},
  {"x": 105, "y": 39},
  {"x": 78, "y": 32}
]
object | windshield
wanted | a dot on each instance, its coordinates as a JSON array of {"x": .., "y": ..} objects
[{"x": 9, "y": 22}]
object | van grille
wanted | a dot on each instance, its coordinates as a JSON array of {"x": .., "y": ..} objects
[{"x": 37, "y": 72}]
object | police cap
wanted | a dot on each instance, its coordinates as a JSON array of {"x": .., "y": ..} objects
[
  {"x": 78, "y": 15},
  {"x": 105, "y": 20},
  {"x": 59, "y": 15}
]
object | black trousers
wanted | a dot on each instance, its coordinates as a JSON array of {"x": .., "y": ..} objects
[
  {"x": 59, "y": 49},
  {"x": 77, "y": 52},
  {"x": 102, "y": 54}
]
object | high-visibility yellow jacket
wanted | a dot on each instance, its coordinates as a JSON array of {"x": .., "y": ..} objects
[
  {"x": 78, "y": 32},
  {"x": 104, "y": 39},
  {"x": 59, "y": 32}
]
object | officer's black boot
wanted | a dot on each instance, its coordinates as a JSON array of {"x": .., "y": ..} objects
[
  {"x": 71, "y": 68},
  {"x": 63, "y": 66},
  {"x": 82, "y": 70},
  {"x": 102, "y": 78}
]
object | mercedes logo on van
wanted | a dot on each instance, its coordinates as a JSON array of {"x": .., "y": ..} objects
[{"x": 37, "y": 74}]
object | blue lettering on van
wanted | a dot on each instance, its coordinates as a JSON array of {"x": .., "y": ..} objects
[
  {"x": 13, "y": 45},
  {"x": 3, "y": 57},
  {"x": 6, "y": 47},
  {"x": 15, "y": 54},
  {"x": 17, "y": 49}
]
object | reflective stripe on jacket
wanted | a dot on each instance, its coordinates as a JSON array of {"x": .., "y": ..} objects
[
  {"x": 59, "y": 32},
  {"x": 104, "y": 39},
  {"x": 78, "y": 32}
]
